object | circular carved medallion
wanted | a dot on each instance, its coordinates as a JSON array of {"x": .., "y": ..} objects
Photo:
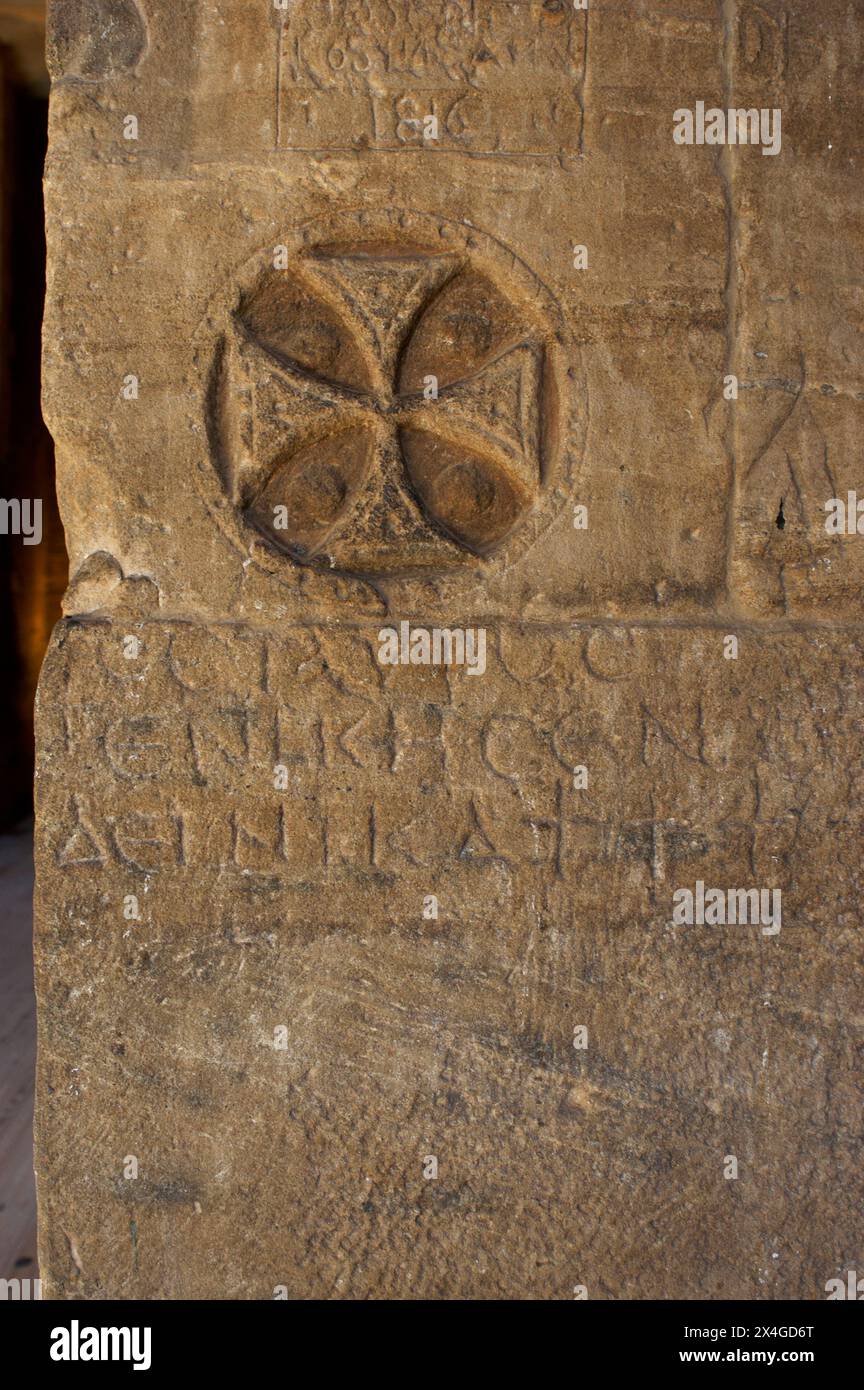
[{"x": 385, "y": 398}]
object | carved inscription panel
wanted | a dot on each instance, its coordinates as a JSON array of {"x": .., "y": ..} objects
[
  {"x": 301, "y": 764},
  {"x": 371, "y": 74},
  {"x": 241, "y": 835}
]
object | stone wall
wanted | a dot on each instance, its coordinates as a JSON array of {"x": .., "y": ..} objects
[{"x": 366, "y": 974}]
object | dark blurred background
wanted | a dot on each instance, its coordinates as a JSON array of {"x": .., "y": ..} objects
[{"x": 32, "y": 579}]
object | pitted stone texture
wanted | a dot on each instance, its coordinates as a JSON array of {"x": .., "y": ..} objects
[
  {"x": 257, "y": 129},
  {"x": 640, "y": 333},
  {"x": 380, "y": 301},
  {"x": 302, "y": 1164}
]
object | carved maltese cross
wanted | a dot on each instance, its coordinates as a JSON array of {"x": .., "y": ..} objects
[{"x": 396, "y": 407}]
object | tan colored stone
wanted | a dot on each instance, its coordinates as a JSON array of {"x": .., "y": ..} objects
[{"x": 372, "y": 389}]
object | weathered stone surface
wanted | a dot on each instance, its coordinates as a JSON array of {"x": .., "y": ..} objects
[
  {"x": 244, "y": 813},
  {"x": 302, "y": 909}
]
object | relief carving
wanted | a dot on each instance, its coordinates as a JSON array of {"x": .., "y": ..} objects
[{"x": 387, "y": 404}]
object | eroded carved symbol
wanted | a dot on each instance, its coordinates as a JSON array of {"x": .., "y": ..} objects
[
  {"x": 383, "y": 408},
  {"x": 95, "y": 40}
]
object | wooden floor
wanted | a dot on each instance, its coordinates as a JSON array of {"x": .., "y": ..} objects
[{"x": 17, "y": 1056}]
